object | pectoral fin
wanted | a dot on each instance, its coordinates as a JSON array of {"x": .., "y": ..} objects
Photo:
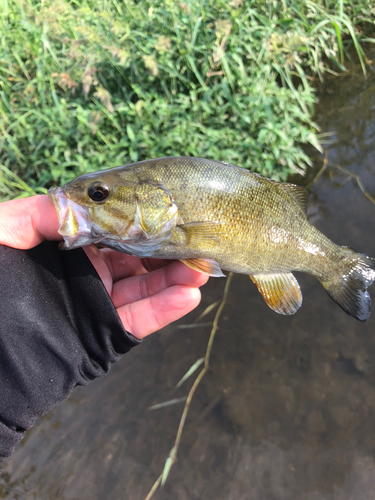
[
  {"x": 203, "y": 232},
  {"x": 281, "y": 292},
  {"x": 205, "y": 266}
]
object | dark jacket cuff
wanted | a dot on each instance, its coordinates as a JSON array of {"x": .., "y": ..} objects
[{"x": 59, "y": 328}]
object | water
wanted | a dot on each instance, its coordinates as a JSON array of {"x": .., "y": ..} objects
[{"x": 287, "y": 411}]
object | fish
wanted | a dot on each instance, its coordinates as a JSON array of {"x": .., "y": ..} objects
[{"x": 214, "y": 217}]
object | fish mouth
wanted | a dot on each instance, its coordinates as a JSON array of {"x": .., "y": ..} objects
[{"x": 74, "y": 221}]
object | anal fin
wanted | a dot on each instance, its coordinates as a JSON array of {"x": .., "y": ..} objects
[
  {"x": 281, "y": 291},
  {"x": 205, "y": 266}
]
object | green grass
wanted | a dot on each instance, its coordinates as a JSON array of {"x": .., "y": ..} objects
[{"x": 87, "y": 85}]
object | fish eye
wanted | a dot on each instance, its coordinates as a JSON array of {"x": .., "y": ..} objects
[{"x": 98, "y": 192}]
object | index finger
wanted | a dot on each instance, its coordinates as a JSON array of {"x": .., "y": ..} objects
[{"x": 27, "y": 222}]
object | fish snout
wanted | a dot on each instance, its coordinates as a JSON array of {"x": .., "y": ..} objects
[{"x": 74, "y": 220}]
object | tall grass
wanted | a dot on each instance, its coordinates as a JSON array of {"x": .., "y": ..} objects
[{"x": 87, "y": 84}]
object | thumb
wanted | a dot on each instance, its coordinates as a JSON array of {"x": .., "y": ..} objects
[{"x": 27, "y": 222}]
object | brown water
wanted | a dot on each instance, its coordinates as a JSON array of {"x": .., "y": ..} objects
[{"x": 288, "y": 410}]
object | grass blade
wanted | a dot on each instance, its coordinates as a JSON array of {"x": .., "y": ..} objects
[
  {"x": 168, "y": 466},
  {"x": 339, "y": 40},
  {"x": 167, "y": 403},
  {"x": 190, "y": 372},
  {"x": 208, "y": 309},
  {"x": 194, "y": 325}
]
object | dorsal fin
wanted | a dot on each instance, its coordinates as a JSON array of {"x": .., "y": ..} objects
[{"x": 298, "y": 193}]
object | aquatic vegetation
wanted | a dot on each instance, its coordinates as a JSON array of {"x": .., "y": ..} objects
[
  {"x": 88, "y": 85},
  {"x": 172, "y": 458}
]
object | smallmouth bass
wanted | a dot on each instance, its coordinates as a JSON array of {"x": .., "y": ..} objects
[{"x": 213, "y": 216}]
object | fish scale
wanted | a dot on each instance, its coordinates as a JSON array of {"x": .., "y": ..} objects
[{"x": 214, "y": 216}]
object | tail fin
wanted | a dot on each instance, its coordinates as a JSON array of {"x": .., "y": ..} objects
[{"x": 349, "y": 290}]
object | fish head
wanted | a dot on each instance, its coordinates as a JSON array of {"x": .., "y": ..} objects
[{"x": 103, "y": 206}]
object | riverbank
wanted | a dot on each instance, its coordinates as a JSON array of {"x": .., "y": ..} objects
[{"x": 89, "y": 85}]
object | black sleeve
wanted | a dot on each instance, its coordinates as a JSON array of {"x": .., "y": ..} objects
[{"x": 58, "y": 329}]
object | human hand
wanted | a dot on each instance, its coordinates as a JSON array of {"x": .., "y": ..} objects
[{"x": 148, "y": 293}]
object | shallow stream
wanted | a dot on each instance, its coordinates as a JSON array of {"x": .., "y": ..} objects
[{"x": 287, "y": 411}]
